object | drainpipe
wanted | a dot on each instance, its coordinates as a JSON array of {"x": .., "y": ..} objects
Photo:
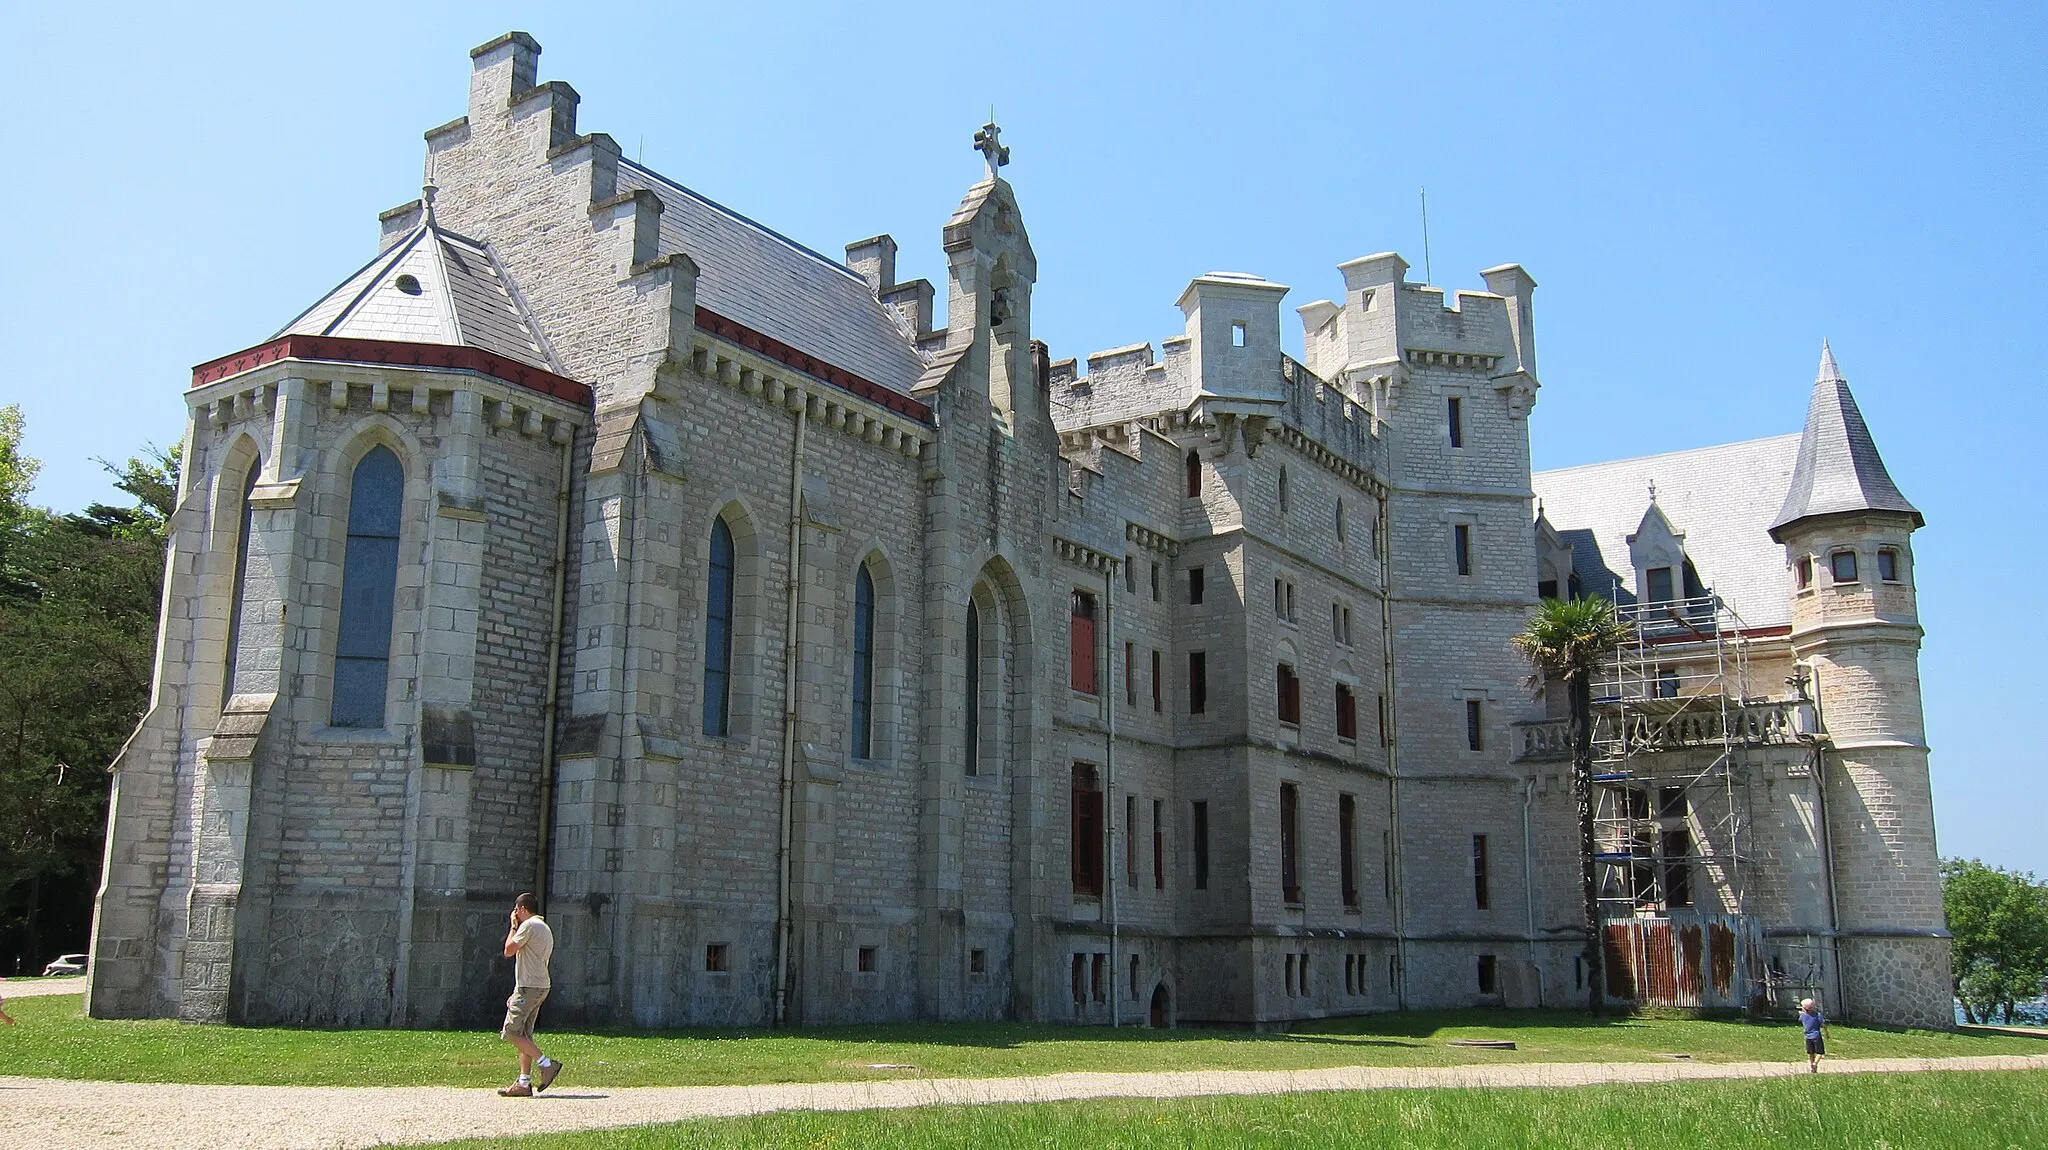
[
  {"x": 548, "y": 708},
  {"x": 1529, "y": 883},
  {"x": 784, "y": 888},
  {"x": 1386, "y": 550},
  {"x": 1109, "y": 862}
]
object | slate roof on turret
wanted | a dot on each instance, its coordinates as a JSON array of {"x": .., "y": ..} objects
[
  {"x": 1839, "y": 470},
  {"x": 1721, "y": 498},
  {"x": 458, "y": 295},
  {"x": 776, "y": 286}
]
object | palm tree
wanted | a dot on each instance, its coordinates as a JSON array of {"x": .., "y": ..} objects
[{"x": 1567, "y": 640}]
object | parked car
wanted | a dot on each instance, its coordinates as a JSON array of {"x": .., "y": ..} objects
[{"x": 66, "y": 964}]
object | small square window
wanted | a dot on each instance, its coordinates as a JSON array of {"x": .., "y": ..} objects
[
  {"x": 1842, "y": 564},
  {"x": 1888, "y": 565},
  {"x": 977, "y": 961},
  {"x": 866, "y": 960},
  {"x": 714, "y": 959}
]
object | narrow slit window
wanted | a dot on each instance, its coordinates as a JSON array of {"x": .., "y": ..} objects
[
  {"x": 971, "y": 703},
  {"x": 1457, "y": 421},
  {"x": 240, "y": 589},
  {"x": 1131, "y": 839},
  {"x": 1347, "y": 848},
  {"x": 1130, "y": 675},
  {"x": 864, "y": 664},
  {"x": 369, "y": 584},
  {"x": 1283, "y": 491},
  {"x": 1158, "y": 687},
  {"x": 1194, "y": 476},
  {"x": 718, "y": 603},
  {"x": 1199, "y": 836},
  {"x": 1290, "y": 844},
  {"x": 1475, "y": 729},
  {"x": 1198, "y": 586},
  {"x": 1481, "y": 895},
  {"x": 1198, "y": 682},
  {"x": 1158, "y": 845},
  {"x": 1461, "y": 547}
]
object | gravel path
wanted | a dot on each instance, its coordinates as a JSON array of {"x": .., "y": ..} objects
[
  {"x": 37, "y": 987},
  {"x": 94, "y": 1115}
]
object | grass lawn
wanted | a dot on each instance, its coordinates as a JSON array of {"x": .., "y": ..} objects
[
  {"x": 55, "y": 1040},
  {"x": 1981, "y": 1110}
]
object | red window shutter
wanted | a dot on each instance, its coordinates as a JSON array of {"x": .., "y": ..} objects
[{"x": 1082, "y": 639}]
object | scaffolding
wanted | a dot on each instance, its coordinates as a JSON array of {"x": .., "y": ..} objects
[{"x": 1675, "y": 737}]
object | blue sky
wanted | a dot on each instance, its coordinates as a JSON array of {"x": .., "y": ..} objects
[{"x": 1703, "y": 194}]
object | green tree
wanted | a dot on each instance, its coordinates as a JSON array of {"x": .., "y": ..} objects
[
  {"x": 1999, "y": 920},
  {"x": 78, "y": 603},
  {"x": 1566, "y": 641}
]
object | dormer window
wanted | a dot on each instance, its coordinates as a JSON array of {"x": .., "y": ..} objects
[
  {"x": 1843, "y": 566},
  {"x": 1888, "y": 565},
  {"x": 1803, "y": 570},
  {"x": 1660, "y": 585}
]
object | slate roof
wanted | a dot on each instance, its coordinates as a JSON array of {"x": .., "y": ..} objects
[
  {"x": 460, "y": 297},
  {"x": 778, "y": 287},
  {"x": 1722, "y": 498},
  {"x": 1839, "y": 469}
]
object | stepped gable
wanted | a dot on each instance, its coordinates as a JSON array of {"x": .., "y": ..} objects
[
  {"x": 1722, "y": 498},
  {"x": 1839, "y": 469},
  {"x": 765, "y": 281},
  {"x": 432, "y": 287}
]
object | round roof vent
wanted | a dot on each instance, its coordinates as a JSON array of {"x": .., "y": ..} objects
[{"x": 410, "y": 285}]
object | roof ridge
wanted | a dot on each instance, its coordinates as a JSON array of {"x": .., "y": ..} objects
[
  {"x": 1667, "y": 454},
  {"x": 393, "y": 252},
  {"x": 757, "y": 225}
]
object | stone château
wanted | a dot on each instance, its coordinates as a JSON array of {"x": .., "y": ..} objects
[{"x": 825, "y": 651}]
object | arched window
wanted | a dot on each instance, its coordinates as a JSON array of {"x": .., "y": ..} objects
[
  {"x": 973, "y": 700},
  {"x": 369, "y": 579},
  {"x": 863, "y": 664},
  {"x": 1194, "y": 475},
  {"x": 238, "y": 592},
  {"x": 718, "y": 633},
  {"x": 1283, "y": 491}
]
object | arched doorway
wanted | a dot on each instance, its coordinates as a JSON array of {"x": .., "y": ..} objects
[{"x": 1159, "y": 1007}]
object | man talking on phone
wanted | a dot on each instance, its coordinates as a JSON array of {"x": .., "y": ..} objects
[{"x": 529, "y": 943}]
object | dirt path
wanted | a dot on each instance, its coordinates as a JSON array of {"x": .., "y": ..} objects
[{"x": 96, "y": 1115}]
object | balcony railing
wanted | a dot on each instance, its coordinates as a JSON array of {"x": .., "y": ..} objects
[{"x": 1618, "y": 731}]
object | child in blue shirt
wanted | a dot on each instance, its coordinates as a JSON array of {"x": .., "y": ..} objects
[{"x": 1816, "y": 1027}]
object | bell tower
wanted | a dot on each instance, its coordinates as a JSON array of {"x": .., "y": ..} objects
[{"x": 1847, "y": 532}]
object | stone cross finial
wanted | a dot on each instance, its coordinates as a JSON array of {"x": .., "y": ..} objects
[
  {"x": 989, "y": 144},
  {"x": 1653, "y": 491}
]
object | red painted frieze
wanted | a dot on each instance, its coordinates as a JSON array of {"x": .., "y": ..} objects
[
  {"x": 384, "y": 351},
  {"x": 780, "y": 352}
]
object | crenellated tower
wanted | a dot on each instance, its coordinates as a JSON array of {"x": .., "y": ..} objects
[{"x": 1847, "y": 532}]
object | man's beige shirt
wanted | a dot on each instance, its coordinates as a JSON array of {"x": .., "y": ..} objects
[{"x": 536, "y": 945}]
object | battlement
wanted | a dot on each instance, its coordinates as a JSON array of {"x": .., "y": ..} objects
[{"x": 1385, "y": 319}]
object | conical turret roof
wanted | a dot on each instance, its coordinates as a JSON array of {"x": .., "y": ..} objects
[{"x": 1838, "y": 470}]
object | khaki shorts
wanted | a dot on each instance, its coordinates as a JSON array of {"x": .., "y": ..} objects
[{"x": 521, "y": 1010}]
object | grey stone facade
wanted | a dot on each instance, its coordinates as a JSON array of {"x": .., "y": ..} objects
[{"x": 584, "y": 367}]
